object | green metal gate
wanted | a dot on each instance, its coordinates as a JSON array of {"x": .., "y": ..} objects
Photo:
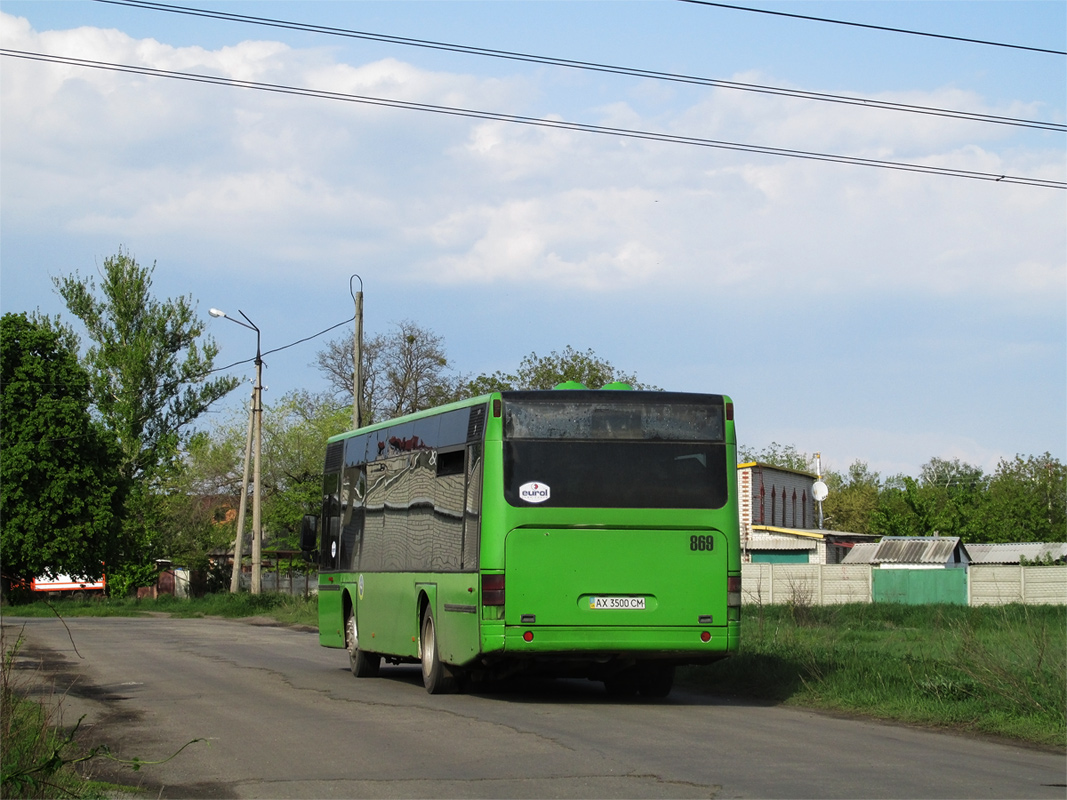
[{"x": 919, "y": 586}]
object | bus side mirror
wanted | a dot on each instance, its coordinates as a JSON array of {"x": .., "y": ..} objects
[{"x": 309, "y": 533}]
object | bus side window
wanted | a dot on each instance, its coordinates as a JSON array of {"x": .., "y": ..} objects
[
  {"x": 354, "y": 515},
  {"x": 472, "y": 512},
  {"x": 331, "y": 527},
  {"x": 451, "y": 463},
  {"x": 448, "y": 510}
]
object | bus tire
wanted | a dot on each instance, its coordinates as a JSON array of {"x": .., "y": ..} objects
[
  {"x": 436, "y": 677},
  {"x": 364, "y": 664}
]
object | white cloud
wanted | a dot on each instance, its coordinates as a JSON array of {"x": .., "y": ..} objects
[{"x": 492, "y": 201}]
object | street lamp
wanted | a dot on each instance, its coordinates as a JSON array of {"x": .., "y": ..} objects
[{"x": 257, "y": 418}]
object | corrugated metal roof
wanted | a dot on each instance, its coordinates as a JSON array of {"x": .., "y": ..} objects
[
  {"x": 908, "y": 550},
  {"x": 861, "y": 553},
  {"x": 1010, "y": 553}
]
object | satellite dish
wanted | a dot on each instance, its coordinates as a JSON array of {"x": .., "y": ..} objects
[{"x": 819, "y": 491}]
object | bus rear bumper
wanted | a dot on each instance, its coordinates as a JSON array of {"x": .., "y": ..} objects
[{"x": 667, "y": 642}]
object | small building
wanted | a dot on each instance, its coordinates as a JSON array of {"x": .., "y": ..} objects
[
  {"x": 779, "y": 519},
  {"x": 912, "y": 552}
]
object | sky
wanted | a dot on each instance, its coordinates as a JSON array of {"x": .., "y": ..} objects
[{"x": 881, "y": 315}]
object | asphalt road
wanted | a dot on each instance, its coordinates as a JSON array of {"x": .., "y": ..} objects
[{"x": 281, "y": 717}]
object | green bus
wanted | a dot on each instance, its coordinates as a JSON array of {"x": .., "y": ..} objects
[{"x": 570, "y": 532}]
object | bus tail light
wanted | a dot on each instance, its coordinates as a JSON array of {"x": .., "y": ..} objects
[
  {"x": 733, "y": 591},
  {"x": 492, "y": 590}
]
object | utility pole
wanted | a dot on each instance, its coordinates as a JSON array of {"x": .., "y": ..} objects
[
  {"x": 257, "y": 497},
  {"x": 239, "y": 541},
  {"x": 819, "y": 489},
  {"x": 257, "y": 418},
  {"x": 357, "y": 355}
]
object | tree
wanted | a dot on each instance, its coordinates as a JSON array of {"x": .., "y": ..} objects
[
  {"x": 295, "y": 431},
  {"x": 200, "y": 499},
  {"x": 547, "y": 372},
  {"x": 1026, "y": 501},
  {"x": 149, "y": 368},
  {"x": 946, "y": 499},
  {"x": 62, "y": 493},
  {"x": 335, "y": 362},
  {"x": 149, "y": 364},
  {"x": 778, "y": 455},
  {"x": 401, "y": 372},
  {"x": 412, "y": 372},
  {"x": 853, "y": 499}
]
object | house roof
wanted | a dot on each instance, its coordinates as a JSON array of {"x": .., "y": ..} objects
[
  {"x": 770, "y": 541},
  {"x": 761, "y": 465},
  {"x": 908, "y": 550},
  {"x": 1012, "y": 553},
  {"x": 815, "y": 534}
]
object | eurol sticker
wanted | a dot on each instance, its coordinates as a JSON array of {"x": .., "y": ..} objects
[{"x": 534, "y": 492}]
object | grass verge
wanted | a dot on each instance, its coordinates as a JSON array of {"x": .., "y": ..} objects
[
  {"x": 994, "y": 670},
  {"x": 40, "y": 757},
  {"x": 286, "y": 609}
]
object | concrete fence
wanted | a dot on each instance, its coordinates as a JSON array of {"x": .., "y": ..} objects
[
  {"x": 827, "y": 584},
  {"x": 996, "y": 584}
]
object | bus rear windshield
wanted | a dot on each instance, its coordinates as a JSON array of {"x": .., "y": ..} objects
[{"x": 653, "y": 451}]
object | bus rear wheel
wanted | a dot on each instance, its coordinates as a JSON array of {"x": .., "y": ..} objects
[
  {"x": 436, "y": 677},
  {"x": 364, "y": 664}
]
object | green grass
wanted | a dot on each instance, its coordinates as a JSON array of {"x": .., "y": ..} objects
[
  {"x": 286, "y": 609},
  {"x": 994, "y": 670}
]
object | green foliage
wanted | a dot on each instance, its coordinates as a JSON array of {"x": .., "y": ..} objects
[
  {"x": 294, "y": 436},
  {"x": 853, "y": 499},
  {"x": 1047, "y": 560},
  {"x": 204, "y": 493},
  {"x": 287, "y": 609},
  {"x": 1024, "y": 500},
  {"x": 149, "y": 365},
  {"x": 201, "y": 498},
  {"x": 1000, "y": 670},
  {"x": 547, "y": 372},
  {"x": 778, "y": 455},
  {"x": 149, "y": 362},
  {"x": 124, "y": 579},
  {"x": 62, "y": 496}
]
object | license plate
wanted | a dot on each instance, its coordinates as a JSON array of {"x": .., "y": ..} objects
[{"x": 620, "y": 603}]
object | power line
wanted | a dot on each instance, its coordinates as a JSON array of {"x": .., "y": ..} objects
[
  {"x": 535, "y": 121},
  {"x": 593, "y": 66},
  {"x": 876, "y": 27},
  {"x": 283, "y": 347}
]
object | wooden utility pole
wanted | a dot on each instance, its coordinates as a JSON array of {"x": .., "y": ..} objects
[
  {"x": 239, "y": 540},
  {"x": 257, "y": 497},
  {"x": 357, "y": 355}
]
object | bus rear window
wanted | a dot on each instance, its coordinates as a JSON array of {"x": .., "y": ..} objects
[
  {"x": 592, "y": 415},
  {"x": 615, "y": 474}
]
